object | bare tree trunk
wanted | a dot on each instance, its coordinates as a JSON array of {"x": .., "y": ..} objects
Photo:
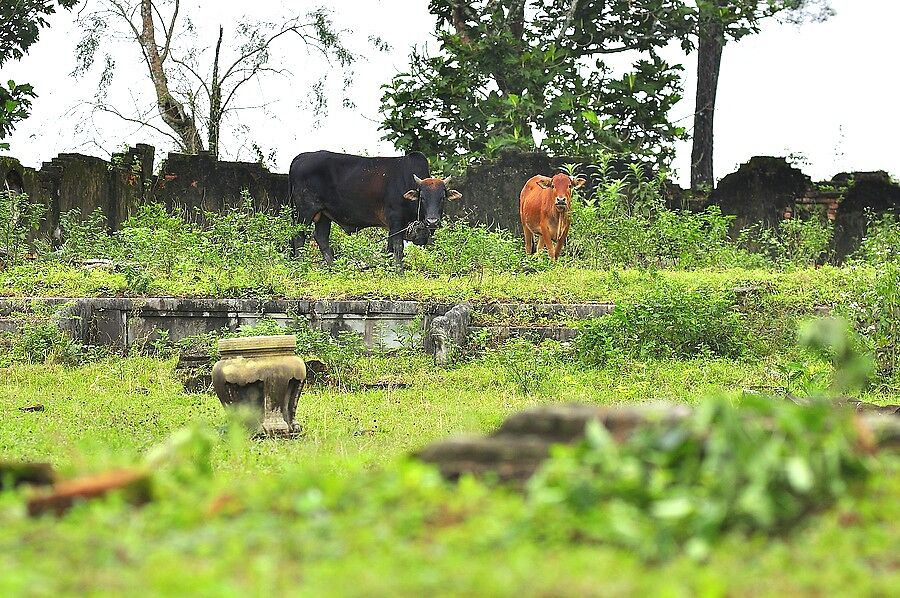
[
  {"x": 171, "y": 110},
  {"x": 709, "y": 61},
  {"x": 215, "y": 103}
]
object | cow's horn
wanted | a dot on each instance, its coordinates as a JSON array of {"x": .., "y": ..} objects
[
  {"x": 447, "y": 182},
  {"x": 417, "y": 180}
]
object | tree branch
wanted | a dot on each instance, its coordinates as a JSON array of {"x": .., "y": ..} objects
[
  {"x": 168, "y": 32},
  {"x": 567, "y": 22}
]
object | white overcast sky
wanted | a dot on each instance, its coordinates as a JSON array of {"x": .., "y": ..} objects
[{"x": 827, "y": 92}]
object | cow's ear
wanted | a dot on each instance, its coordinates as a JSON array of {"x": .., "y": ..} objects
[
  {"x": 578, "y": 183},
  {"x": 545, "y": 182},
  {"x": 411, "y": 195},
  {"x": 453, "y": 195}
]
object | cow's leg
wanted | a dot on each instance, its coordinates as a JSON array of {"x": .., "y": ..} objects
[
  {"x": 529, "y": 240},
  {"x": 322, "y": 235},
  {"x": 305, "y": 212},
  {"x": 546, "y": 239},
  {"x": 398, "y": 253},
  {"x": 561, "y": 238},
  {"x": 298, "y": 242},
  {"x": 529, "y": 236}
]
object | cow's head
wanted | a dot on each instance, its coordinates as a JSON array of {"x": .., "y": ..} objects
[
  {"x": 562, "y": 184},
  {"x": 432, "y": 192}
]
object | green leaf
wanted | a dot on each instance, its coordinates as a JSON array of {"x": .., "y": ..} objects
[
  {"x": 672, "y": 508},
  {"x": 799, "y": 474}
]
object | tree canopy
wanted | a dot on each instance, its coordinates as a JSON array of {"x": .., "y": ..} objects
[
  {"x": 20, "y": 26},
  {"x": 508, "y": 70}
]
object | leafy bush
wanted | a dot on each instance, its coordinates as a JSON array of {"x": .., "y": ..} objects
[
  {"x": 19, "y": 219},
  {"x": 796, "y": 241},
  {"x": 758, "y": 467},
  {"x": 86, "y": 237},
  {"x": 460, "y": 248},
  {"x": 38, "y": 339},
  {"x": 364, "y": 250},
  {"x": 246, "y": 236},
  {"x": 626, "y": 224},
  {"x": 670, "y": 321},
  {"x": 874, "y": 311},
  {"x": 158, "y": 241},
  {"x": 881, "y": 242}
]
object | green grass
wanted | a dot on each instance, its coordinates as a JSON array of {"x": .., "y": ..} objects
[
  {"x": 561, "y": 283},
  {"x": 342, "y": 512}
]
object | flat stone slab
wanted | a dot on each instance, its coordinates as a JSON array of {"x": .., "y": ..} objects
[{"x": 515, "y": 451}]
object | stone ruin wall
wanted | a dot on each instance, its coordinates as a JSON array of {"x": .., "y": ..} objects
[
  {"x": 183, "y": 183},
  {"x": 765, "y": 189}
]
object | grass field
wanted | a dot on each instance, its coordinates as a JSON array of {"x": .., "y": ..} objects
[{"x": 342, "y": 511}]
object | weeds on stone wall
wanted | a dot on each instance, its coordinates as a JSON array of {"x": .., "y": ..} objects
[{"x": 624, "y": 224}]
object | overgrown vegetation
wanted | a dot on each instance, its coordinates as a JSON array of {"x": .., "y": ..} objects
[{"x": 672, "y": 321}]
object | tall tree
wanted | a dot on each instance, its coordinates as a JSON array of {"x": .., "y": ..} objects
[
  {"x": 20, "y": 25},
  {"x": 194, "y": 100},
  {"x": 719, "y": 21},
  {"x": 509, "y": 69}
]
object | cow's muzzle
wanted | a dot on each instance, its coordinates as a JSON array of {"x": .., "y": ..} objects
[
  {"x": 560, "y": 202},
  {"x": 432, "y": 223}
]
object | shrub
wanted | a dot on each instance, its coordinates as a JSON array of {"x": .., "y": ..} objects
[
  {"x": 460, "y": 248},
  {"x": 364, "y": 250},
  {"x": 526, "y": 364},
  {"x": 757, "y": 467},
  {"x": 671, "y": 321},
  {"x": 626, "y": 224},
  {"x": 19, "y": 219},
  {"x": 796, "y": 241},
  {"x": 874, "y": 311},
  {"x": 86, "y": 237},
  {"x": 38, "y": 339},
  {"x": 881, "y": 243}
]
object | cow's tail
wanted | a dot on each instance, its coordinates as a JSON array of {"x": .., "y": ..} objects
[
  {"x": 289, "y": 200},
  {"x": 297, "y": 239}
]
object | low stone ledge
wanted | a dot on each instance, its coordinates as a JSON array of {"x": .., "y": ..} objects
[
  {"x": 547, "y": 310},
  {"x": 566, "y": 423},
  {"x": 120, "y": 322},
  {"x": 502, "y": 333}
]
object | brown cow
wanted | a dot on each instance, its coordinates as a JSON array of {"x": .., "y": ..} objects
[{"x": 544, "y": 207}]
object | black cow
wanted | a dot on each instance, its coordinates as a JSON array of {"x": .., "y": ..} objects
[{"x": 356, "y": 192}]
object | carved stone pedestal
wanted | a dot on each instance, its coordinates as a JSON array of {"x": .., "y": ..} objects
[{"x": 264, "y": 374}]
